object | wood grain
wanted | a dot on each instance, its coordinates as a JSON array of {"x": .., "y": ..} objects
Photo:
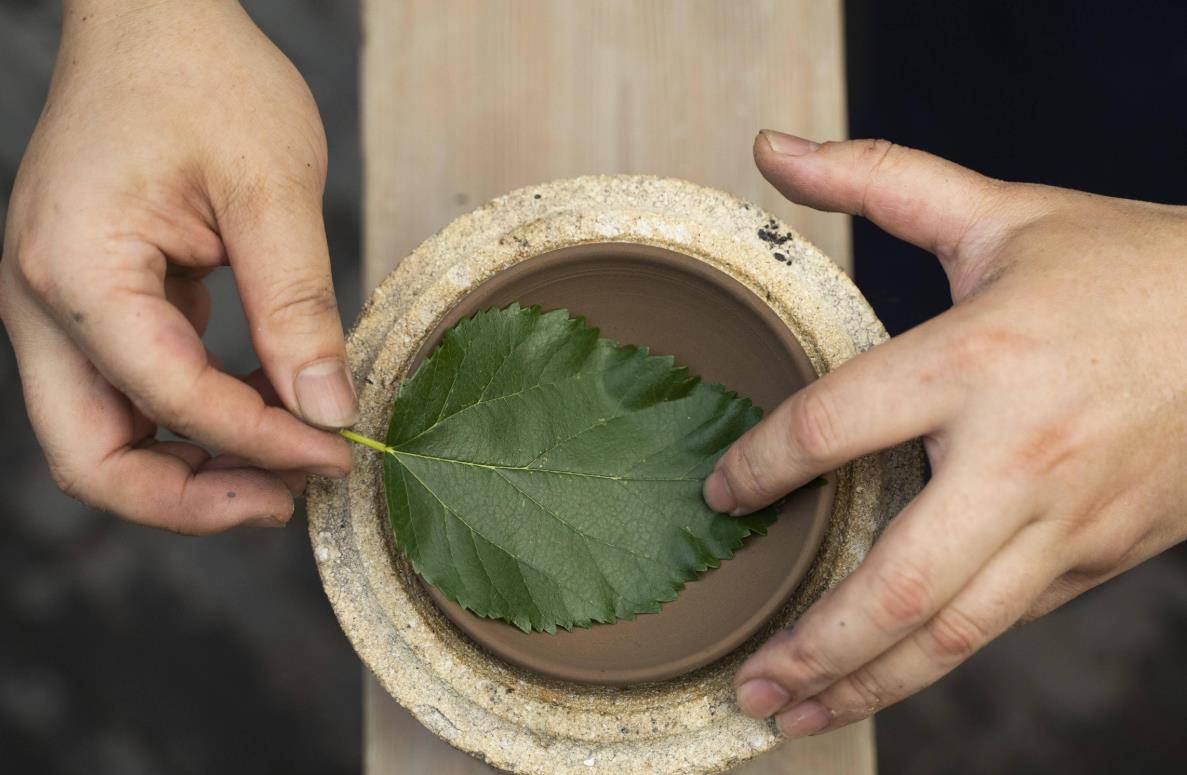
[{"x": 464, "y": 100}]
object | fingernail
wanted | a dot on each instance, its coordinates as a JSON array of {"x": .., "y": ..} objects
[
  {"x": 759, "y": 698},
  {"x": 264, "y": 521},
  {"x": 807, "y": 718},
  {"x": 325, "y": 394},
  {"x": 718, "y": 495},
  {"x": 788, "y": 145}
]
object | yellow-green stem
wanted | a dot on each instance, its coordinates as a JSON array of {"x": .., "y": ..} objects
[{"x": 366, "y": 441}]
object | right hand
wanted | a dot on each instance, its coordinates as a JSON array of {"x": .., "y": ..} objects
[
  {"x": 1051, "y": 400},
  {"x": 176, "y": 138}
]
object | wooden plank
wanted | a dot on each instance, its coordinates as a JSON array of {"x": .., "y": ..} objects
[
  {"x": 394, "y": 743},
  {"x": 464, "y": 100},
  {"x": 849, "y": 751}
]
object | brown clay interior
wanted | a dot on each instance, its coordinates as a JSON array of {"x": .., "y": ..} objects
[{"x": 724, "y": 333}]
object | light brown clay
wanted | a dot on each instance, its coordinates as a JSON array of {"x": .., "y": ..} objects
[{"x": 520, "y": 719}]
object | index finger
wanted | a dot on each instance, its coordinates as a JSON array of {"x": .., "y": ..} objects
[
  {"x": 147, "y": 349},
  {"x": 880, "y": 398}
]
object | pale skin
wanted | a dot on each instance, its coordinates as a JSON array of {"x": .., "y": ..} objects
[
  {"x": 1052, "y": 402},
  {"x": 1052, "y": 399},
  {"x": 176, "y": 139}
]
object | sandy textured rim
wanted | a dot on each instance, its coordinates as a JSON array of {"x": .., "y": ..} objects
[{"x": 512, "y": 719}]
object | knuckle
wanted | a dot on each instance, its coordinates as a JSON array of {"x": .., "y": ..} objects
[
  {"x": 873, "y": 150},
  {"x": 1104, "y": 553},
  {"x": 868, "y": 690},
  {"x": 873, "y": 156},
  {"x": 808, "y": 661},
  {"x": 1044, "y": 449},
  {"x": 955, "y": 635},
  {"x": 903, "y": 596},
  {"x": 33, "y": 264},
  {"x": 172, "y": 409},
  {"x": 301, "y": 296},
  {"x": 67, "y": 480},
  {"x": 977, "y": 348},
  {"x": 746, "y": 475},
  {"x": 812, "y": 426},
  {"x": 1109, "y": 556},
  {"x": 245, "y": 196}
]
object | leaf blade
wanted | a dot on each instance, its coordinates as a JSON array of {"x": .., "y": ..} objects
[{"x": 541, "y": 475}]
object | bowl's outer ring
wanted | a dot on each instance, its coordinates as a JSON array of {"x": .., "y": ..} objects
[{"x": 510, "y": 718}]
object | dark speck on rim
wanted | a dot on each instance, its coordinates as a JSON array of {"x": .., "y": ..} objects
[
  {"x": 772, "y": 236},
  {"x": 537, "y": 196},
  {"x": 780, "y": 258},
  {"x": 77, "y": 317},
  {"x": 230, "y": 493}
]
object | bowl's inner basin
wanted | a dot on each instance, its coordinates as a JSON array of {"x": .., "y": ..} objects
[{"x": 721, "y": 331}]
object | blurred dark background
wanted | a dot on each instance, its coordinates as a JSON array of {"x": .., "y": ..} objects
[{"x": 126, "y": 650}]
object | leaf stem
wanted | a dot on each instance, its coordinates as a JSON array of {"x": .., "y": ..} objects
[{"x": 366, "y": 441}]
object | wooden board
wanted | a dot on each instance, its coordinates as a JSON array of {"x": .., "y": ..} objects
[{"x": 464, "y": 100}]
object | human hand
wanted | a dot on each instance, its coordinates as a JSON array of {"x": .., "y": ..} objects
[
  {"x": 176, "y": 138},
  {"x": 1052, "y": 401}
]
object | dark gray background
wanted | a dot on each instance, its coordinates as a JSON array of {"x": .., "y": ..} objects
[{"x": 126, "y": 650}]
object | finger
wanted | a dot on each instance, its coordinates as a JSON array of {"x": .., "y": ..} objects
[
  {"x": 986, "y": 608},
  {"x": 878, "y": 399},
  {"x": 191, "y": 454},
  {"x": 1090, "y": 573},
  {"x": 107, "y": 466},
  {"x": 923, "y": 199},
  {"x": 295, "y": 481},
  {"x": 923, "y": 559},
  {"x": 278, "y": 252},
  {"x": 199, "y": 459},
  {"x": 162, "y": 490},
  {"x": 192, "y": 298},
  {"x": 258, "y": 381},
  {"x": 147, "y": 349}
]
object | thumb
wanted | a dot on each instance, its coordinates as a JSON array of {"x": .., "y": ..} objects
[
  {"x": 276, "y": 244},
  {"x": 935, "y": 204}
]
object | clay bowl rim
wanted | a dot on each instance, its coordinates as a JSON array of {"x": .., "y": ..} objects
[{"x": 525, "y": 723}]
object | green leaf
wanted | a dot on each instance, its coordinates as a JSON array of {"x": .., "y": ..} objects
[{"x": 538, "y": 474}]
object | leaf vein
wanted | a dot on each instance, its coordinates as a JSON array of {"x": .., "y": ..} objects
[
  {"x": 557, "y": 471},
  {"x": 486, "y": 538}
]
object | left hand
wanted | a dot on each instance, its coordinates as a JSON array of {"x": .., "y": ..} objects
[{"x": 1052, "y": 401}]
